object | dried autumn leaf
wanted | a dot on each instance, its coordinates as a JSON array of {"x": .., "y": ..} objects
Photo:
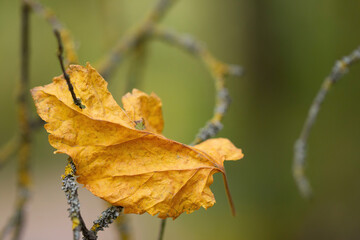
[{"x": 121, "y": 156}]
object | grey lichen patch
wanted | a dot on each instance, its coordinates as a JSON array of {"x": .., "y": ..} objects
[
  {"x": 106, "y": 218},
  {"x": 70, "y": 187}
]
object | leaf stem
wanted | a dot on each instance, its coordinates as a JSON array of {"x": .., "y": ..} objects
[
  {"x": 232, "y": 206},
  {"x": 219, "y": 72}
]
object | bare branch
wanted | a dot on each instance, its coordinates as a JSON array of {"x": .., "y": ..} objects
[
  {"x": 339, "y": 70},
  {"x": 133, "y": 79},
  {"x": 47, "y": 14},
  {"x": 70, "y": 188},
  {"x": 76, "y": 100},
  {"x": 132, "y": 38},
  {"x": 106, "y": 218},
  {"x": 36, "y": 123},
  {"x": 16, "y": 222},
  {"x": 137, "y": 66},
  {"x": 218, "y": 70},
  {"x": 8, "y": 150},
  {"x": 123, "y": 228},
  {"x": 24, "y": 179},
  {"x": 12, "y": 146},
  {"x": 162, "y": 229}
]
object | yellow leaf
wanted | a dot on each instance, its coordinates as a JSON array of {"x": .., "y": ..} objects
[
  {"x": 140, "y": 106},
  {"x": 121, "y": 156}
]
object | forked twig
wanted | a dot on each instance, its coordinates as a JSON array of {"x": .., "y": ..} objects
[
  {"x": 132, "y": 38},
  {"x": 133, "y": 79},
  {"x": 49, "y": 15},
  {"x": 218, "y": 70},
  {"x": 16, "y": 222},
  {"x": 70, "y": 187},
  {"x": 46, "y": 13},
  {"x": 299, "y": 161},
  {"x": 26, "y": 125}
]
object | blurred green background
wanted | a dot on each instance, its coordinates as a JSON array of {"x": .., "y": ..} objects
[{"x": 286, "y": 47}]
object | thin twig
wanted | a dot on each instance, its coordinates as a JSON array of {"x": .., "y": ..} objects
[
  {"x": 9, "y": 225},
  {"x": 133, "y": 79},
  {"x": 106, "y": 218},
  {"x": 12, "y": 146},
  {"x": 218, "y": 70},
  {"x": 299, "y": 161},
  {"x": 36, "y": 123},
  {"x": 123, "y": 228},
  {"x": 87, "y": 234},
  {"x": 76, "y": 100},
  {"x": 162, "y": 229},
  {"x": 70, "y": 187},
  {"x": 137, "y": 66},
  {"x": 48, "y": 14},
  {"x": 8, "y": 150},
  {"x": 132, "y": 38},
  {"x": 24, "y": 180},
  {"x": 16, "y": 222}
]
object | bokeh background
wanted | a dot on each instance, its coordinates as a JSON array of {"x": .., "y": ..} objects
[{"x": 286, "y": 47}]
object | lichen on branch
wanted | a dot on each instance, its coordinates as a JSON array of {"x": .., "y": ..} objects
[
  {"x": 70, "y": 187},
  {"x": 300, "y": 147}
]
